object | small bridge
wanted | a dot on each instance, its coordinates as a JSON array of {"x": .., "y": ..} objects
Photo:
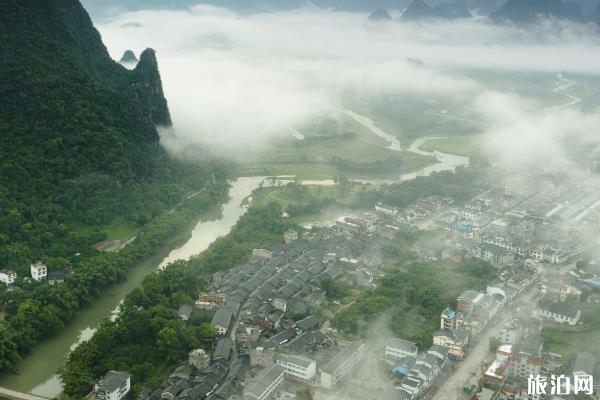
[{"x": 14, "y": 395}]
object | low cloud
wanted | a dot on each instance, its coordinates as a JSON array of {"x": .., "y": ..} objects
[{"x": 236, "y": 81}]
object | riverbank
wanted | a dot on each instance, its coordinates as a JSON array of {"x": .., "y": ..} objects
[{"x": 37, "y": 370}]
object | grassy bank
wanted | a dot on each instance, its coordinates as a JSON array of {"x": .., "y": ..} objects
[{"x": 459, "y": 145}]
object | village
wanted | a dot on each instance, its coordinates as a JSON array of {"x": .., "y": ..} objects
[{"x": 271, "y": 346}]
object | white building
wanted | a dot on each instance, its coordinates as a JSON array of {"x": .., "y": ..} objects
[
  {"x": 8, "y": 277},
  {"x": 511, "y": 332},
  {"x": 558, "y": 312},
  {"x": 399, "y": 348},
  {"x": 113, "y": 386},
  {"x": 267, "y": 384},
  {"x": 39, "y": 271},
  {"x": 341, "y": 365},
  {"x": 297, "y": 367}
]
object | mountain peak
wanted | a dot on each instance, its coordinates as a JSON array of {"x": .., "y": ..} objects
[
  {"x": 129, "y": 58},
  {"x": 150, "y": 83},
  {"x": 380, "y": 15},
  {"x": 417, "y": 9}
]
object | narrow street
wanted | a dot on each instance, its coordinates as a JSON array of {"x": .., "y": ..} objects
[{"x": 452, "y": 389}]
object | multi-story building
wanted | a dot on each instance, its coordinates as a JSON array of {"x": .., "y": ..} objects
[
  {"x": 8, "y": 276},
  {"x": 499, "y": 369},
  {"x": 39, "y": 271},
  {"x": 466, "y": 301},
  {"x": 341, "y": 365},
  {"x": 262, "y": 356},
  {"x": 297, "y": 367},
  {"x": 266, "y": 385},
  {"x": 511, "y": 332},
  {"x": 396, "y": 348},
  {"x": 454, "y": 340},
  {"x": 113, "y": 386},
  {"x": 451, "y": 319}
]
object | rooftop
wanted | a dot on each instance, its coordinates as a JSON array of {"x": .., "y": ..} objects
[
  {"x": 342, "y": 357},
  {"x": 402, "y": 344},
  {"x": 269, "y": 376},
  {"x": 112, "y": 381},
  {"x": 292, "y": 359}
]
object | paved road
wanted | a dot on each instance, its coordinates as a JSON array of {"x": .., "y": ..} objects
[{"x": 452, "y": 388}]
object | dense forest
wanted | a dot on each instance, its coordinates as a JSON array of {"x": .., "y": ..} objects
[
  {"x": 79, "y": 148},
  {"x": 148, "y": 339}
]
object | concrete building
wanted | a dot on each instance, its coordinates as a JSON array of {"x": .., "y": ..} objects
[
  {"x": 454, "y": 340},
  {"x": 511, "y": 332},
  {"x": 341, "y": 365},
  {"x": 396, "y": 348},
  {"x": 113, "y": 386},
  {"x": 297, "y": 367},
  {"x": 39, "y": 271},
  {"x": 262, "y": 356},
  {"x": 558, "y": 313},
  {"x": 450, "y": 319},
  {"x": 8, "y": 277},
  {"x": 466, "y": 301},
  {"x": 267, "y": 384},
  {"x": 199, "y": 358}
]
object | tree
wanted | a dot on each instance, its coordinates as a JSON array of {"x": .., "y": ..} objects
[{"x": 494, "y": 343}]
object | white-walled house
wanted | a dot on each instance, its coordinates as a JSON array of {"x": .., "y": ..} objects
[
  {"x": 39, "y": 271},
  {"x": 113, "y": 386},
  {"x": 558, "y": 312},
  {"x": 8, "y": 277},
  {"x": 297, "y": 367}
]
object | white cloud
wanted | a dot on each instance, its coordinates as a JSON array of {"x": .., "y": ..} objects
[{"x": 235, "y": 81}]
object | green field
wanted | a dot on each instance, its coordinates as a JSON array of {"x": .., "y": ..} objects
[
  {"x": 300, "y": 195},
  {"x": 118, "y": 229},
  {"x": 569, "y": 344},
  {"x": 332, "y": 147},
  {"x": 460, "y": 145}
]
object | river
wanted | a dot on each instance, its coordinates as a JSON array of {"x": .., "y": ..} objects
[
  {"x": 38, "y": 369},
  {"x": 445, "y": 161}
]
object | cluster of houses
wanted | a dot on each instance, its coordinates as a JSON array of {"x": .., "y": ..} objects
[
  {"x": 521, "y": 356},
  {"x": 417, "y": 371},
  {"x": 504, "y": 225},
  {"x": 261, "y": 311},
  {"x": 39, "y": 272}
]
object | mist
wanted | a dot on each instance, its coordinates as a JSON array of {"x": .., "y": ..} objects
[{"x": 234, "y": 82}]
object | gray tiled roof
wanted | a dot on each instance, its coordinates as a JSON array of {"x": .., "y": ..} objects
[{"x": 112, "y": 381}]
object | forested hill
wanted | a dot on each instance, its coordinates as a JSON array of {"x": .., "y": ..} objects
[
  {"x": 78, "y": 142},
  {"x": 79, "y": 155},
  {"x": 67, "y": 106}
]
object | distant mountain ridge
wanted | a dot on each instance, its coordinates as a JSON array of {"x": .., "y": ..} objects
[{"x": 527, "y": 11}]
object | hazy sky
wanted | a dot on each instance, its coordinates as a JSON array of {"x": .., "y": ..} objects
[{"x": 234, "y": 81}]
